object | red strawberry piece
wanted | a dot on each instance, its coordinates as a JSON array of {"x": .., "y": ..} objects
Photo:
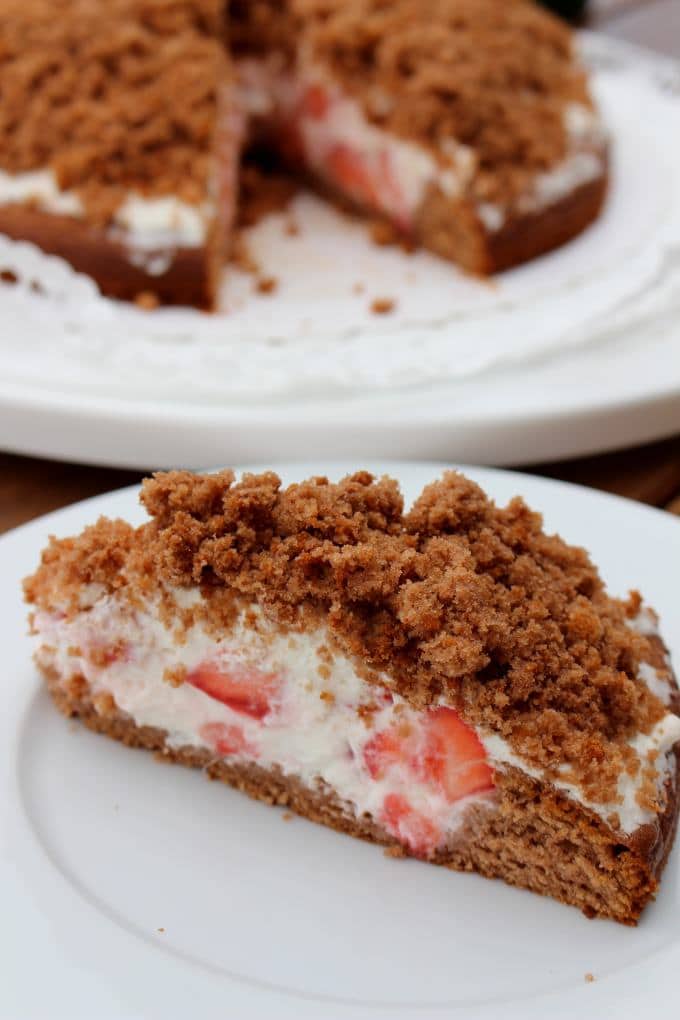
[
  {"x": 315, "y": 102},
  {"x": 452, "y": 757},
  {"x": 224, "y": 739},
  {"x": 382, "y": 750},
  {"x": 243, "y": 689},
  {"x": 348, "y": 169},
  {"x": 409, "y": 826}
]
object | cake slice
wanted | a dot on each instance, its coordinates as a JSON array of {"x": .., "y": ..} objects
[
  {"x": 119, "y": 141},
  {"x": 467, "y": 124},
  {"x": 448, "y": 681}
]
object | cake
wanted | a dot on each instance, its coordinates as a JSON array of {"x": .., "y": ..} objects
[
  {"x": 447, "y": 681},
  {"x": 467, "y": 126},
  {"x": 120, "y": 141}
]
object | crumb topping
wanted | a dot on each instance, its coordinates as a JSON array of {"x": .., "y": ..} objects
[
  {"x": 113, "y": 96},
  {"x": 456, "y": 600},
  {"x": 492, "y": 75}
]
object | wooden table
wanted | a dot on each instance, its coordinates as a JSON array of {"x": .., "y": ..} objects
[{"x": 30, "y": 487}]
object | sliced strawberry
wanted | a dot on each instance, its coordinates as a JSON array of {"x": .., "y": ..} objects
[
  {"x": 400, "y": 819},
  {"x": 452, "y": 757},
  {"x": 348, "y": 169},
  {"x": 382, "y": 750},
  {"x": 315, "y": 102},
  {"x": 224, "y": 739},
  {"x": 244, "y": 690}
]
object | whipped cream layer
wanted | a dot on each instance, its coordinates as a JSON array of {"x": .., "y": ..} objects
[
  {"x": 332, "y": 134},
  {"x": 286, "y": 699},
  {"x": 276, "y": 699},
  {"x": 151, "y": 228}
]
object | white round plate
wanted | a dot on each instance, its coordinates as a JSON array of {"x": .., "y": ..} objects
[
  {"x": 134, "y": 890},
  {"x": 572, "y": 353}
]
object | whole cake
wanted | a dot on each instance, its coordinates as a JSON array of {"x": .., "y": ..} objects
[
  {"x": 449, "y": 681},
  {"x": 467, "y": 125}
]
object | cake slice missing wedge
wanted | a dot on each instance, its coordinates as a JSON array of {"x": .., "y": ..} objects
[
  {"x": 468, "y": 125},
  {"x": 449, "y": 682},
  {"x": 120, "y": 141}
]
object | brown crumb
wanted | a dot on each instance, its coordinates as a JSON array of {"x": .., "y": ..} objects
[
  {"x": 383, "y": 233},
  {"x": 147, "y": 300},
  {"x": 359, "y": 288},
  {"x": 175, "y": 676},
  {"x": 267, "y": 285},
  {"x": 383, "y": 306},
  {"x": 589, "y": 978},
  {"x": 328, "y": 697},
  {"x": 104, "y": 704},
  {"x": 288, "y": 816},
  {"x": 292, "y": 228},
  {"x": 161, "y": 930}
]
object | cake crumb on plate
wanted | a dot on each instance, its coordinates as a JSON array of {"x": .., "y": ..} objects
[
  {"x": 267, "y": 285},
  {"x": 383, "y": 306}
]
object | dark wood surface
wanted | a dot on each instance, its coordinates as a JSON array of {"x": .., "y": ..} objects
[{"x": 30, "y": 487}]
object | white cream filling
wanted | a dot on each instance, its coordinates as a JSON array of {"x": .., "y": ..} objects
[
  {"x": 315, "y": 732},
  {"x": 152, "y": 228}
]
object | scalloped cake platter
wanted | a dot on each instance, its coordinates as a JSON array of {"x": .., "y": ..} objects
[{"x": 573, "y": 353}]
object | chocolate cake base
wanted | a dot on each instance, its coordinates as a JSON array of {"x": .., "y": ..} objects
[
  {"x": 529, "y": 834},
  {"x": 191, "y": 277}
]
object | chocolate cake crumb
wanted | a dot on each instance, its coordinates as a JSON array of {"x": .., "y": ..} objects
[
  {"x": 147, "y": 300},
  {"x": 383, "y": 306},
  {"x": 458, "y": 599},
  {"x": 267, "y": 285},
  {"x": 589, "y": 978}
]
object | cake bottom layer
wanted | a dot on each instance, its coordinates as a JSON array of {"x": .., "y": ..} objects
[
  {"x": 190, "y": 278},
  {"x": 530, "y": 835},
  {"x": 458, "y": 236}
]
